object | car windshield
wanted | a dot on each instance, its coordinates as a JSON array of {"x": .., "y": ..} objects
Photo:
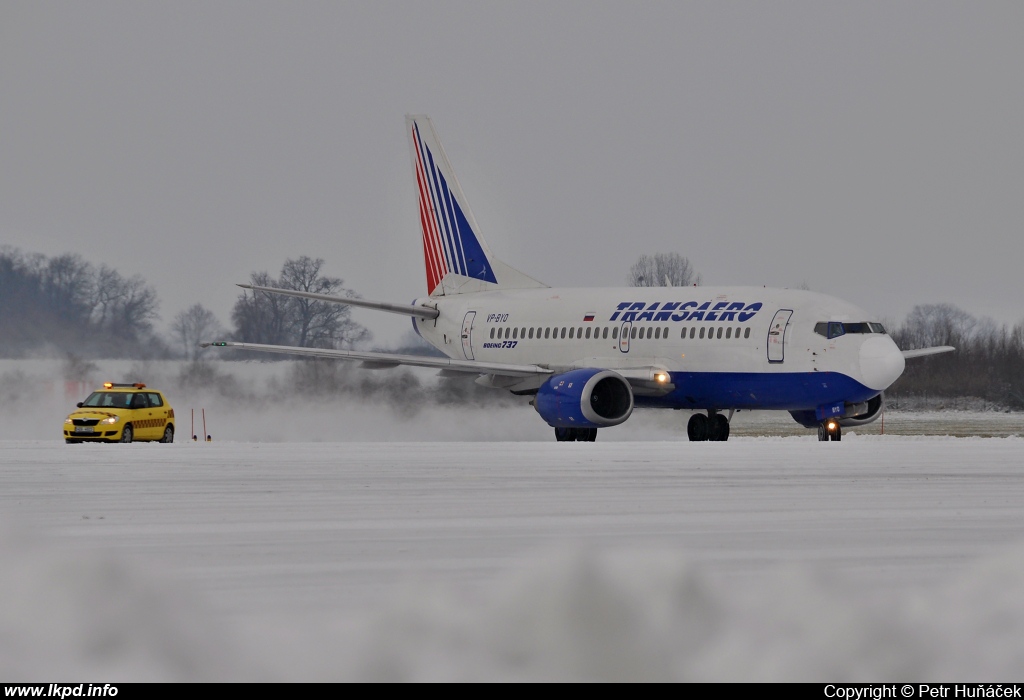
[{"x": 109, "y": 399}]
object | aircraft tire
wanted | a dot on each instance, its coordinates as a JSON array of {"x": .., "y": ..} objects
[
  {"x": 697, "y": 428},
  {"x": 823, "y": 435},
  {"x": 838, "y": 435},
  {"x": 719, "y": 428},
  {"x": 565, "y": 434}
]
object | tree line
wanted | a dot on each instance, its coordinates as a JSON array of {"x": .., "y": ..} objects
[{"x": 67, "y": 304}]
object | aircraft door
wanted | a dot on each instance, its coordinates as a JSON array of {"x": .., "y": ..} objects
[
  {"x": 467, "y": 335},
  {"x": 777, "y": 335},
  {"x": 624, "y": 336}
]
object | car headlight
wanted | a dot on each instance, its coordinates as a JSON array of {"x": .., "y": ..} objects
[
  {"x": 68, "y": 421},
  {"x": 111, "y": 420}
]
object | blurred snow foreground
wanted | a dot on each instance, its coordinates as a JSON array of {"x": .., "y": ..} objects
[{"x": 570, "y": 614}]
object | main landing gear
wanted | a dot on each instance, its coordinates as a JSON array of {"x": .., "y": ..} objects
[
  {"x": 714, "y": 427},
  {"x": 830, "y": 430},
  {"x": 575, "y": 434}
]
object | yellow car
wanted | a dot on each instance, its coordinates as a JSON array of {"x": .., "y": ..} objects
[{"x": 121, "y": 413}]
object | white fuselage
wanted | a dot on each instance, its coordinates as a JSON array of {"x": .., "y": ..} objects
[{"x": 724, "y": 347}]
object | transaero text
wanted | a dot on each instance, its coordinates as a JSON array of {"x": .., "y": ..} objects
[
  {"x": 659, "y": 311},
  {"x": 923, "y": 690}
]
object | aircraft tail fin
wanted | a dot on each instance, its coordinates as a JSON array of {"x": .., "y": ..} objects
[{"x": 456, "y": 256}]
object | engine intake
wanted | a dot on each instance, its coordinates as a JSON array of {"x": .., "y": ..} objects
[
  {"x": 864, "y": 413},
  {"x": 856, "y": 414},
  {"x": 584, "y": 398}
]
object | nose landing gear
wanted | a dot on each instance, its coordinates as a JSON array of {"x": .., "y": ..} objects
[
  {"x": 713, "y": 427},
  {"x": 830, "y": 430}
]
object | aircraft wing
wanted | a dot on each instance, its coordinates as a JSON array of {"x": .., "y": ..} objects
[
  {"x": 380, "y": 360},
  {"x": 924, "y": 352}
]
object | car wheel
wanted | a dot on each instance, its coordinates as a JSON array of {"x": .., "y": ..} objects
[
  {"x": 168, "y": 434},
  {"x": 127, "y": 433}
]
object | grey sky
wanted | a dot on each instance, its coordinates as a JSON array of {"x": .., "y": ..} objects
[{"x": 871, "y": 150}]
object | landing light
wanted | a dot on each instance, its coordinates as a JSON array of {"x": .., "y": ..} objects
[
  {"x": 831, "y": 425},
  {"x": 661, "y": 377}
]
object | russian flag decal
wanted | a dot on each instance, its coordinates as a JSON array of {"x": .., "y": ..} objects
[{"x": 588, "y": 317}]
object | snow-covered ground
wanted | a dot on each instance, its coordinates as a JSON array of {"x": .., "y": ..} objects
[{"x": 359, "y": 539}]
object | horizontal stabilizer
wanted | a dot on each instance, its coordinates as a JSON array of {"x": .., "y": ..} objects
[
  {"x": 403, "y": 309},
  {"x": 924, "y": 352},
  {"x": 383, "y": 359}
]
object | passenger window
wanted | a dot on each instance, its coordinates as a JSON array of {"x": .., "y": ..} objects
[
  {"x": 579, "y": 332},
  {"x": 563, "y": 331},
  {"x": 702, "y": 333},
  {"x": 154, "y": 401},
  {"x": 139, "y": 401},
  {"x": 746, "y": 332},
  {"x": 604, "y": 333},
  {"x": 508, "y": 333},
  {"x": 515, "y": 333},
  {"x": 492, "y": 333},
  {"x": 728, "y": 333},
  {"x": 664, "y": 333},
  {"x": 531, "y": 333},
  {"x": 692, "y": 332},
  {"x": 719, "y": 332},
  {"x": 657, "y": 333},
  {"x": 632, "y": 333},
  {"x": 649, "y": 331},
  {"x": 615, "y": 333},
  {"x": 683, "y": 334}
]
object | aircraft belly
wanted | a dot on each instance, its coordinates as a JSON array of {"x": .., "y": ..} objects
[{"x": 759, "y": 390}]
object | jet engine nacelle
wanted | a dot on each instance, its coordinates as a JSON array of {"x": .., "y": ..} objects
[
  {"x": 864, "y": 413},
  {"x": 584, "y": 398},
  {"x": 856, "y": 414}
]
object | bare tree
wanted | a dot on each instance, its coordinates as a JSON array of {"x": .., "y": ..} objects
[
  {"x": 194, "y": 325},
  {"x": 123, "y": 306},
  {"x": 318, "y": 323},
  {"x": 662, "y": 269},
  {"x": 262, "y": 317},
  {"x": 68, "y": 283},
  {"x": 937, "y": 324}
]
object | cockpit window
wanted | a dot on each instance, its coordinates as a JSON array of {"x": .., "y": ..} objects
[{"x": 834, "y": 329}]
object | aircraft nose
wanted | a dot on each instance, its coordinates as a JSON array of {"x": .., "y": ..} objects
[{"x": 881, "y": 362}]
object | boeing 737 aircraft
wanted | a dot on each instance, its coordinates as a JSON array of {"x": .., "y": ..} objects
[{"x": 590, "y": 356}]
